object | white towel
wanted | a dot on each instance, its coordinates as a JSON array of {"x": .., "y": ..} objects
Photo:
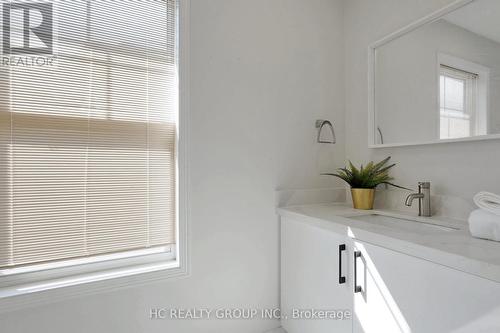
[
  {"x": 488, "y": 201},
  {"x": 483, "y": 224}
]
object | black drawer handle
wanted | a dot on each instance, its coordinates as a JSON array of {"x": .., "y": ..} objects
[
  {"x": 341, "y": 278},
  {"x": 357, "y": 289}
]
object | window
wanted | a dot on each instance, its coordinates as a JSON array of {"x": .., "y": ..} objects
[
  {"x": 458, "y": 94},
  {"x": 463, "y": 98},
  {"x": 88, "y": 146}
]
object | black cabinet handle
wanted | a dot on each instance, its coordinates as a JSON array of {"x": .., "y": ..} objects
[
  {"x": 341, "y": 278},
  {"x": 357, "y": 289}
]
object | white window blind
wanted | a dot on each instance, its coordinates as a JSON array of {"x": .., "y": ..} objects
[{"x": 87, "y": 147}]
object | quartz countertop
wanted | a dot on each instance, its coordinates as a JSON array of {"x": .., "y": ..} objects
[{"x": 454, "y": 247}]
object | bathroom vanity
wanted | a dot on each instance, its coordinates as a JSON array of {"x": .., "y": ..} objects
[{"x": 392, "y": 272}]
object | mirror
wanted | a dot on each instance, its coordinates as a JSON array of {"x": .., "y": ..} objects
[{"x": 438, "y": 80}]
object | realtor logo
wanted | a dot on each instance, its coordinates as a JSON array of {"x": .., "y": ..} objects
[{"x": 27, "y": 28}]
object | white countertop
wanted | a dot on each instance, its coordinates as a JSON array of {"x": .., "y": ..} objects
[{"x": 455, "y": 248}]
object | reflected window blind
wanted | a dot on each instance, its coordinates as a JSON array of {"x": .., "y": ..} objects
[{"x": 87, "y": 146}]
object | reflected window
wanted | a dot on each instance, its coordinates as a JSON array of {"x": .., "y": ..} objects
[{"x": 458, "y": 96}]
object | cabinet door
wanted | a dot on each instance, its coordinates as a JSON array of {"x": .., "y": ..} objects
[
  {"x": 310, "y": 278},
  {"x": 401, "y": 293}
]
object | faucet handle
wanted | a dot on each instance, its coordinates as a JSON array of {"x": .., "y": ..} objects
[{"x": 425, "y": 185}]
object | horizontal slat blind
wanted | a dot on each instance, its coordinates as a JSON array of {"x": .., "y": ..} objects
[{"x": 87, "y": 147}]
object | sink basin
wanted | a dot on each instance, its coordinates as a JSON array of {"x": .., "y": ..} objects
[{"x": 402, "y": 223}]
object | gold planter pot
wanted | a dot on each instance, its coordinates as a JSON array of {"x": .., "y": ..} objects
[{"x": 362, "y": 198}]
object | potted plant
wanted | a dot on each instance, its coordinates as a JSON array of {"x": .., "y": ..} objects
[{"x": 363, "y": 181}]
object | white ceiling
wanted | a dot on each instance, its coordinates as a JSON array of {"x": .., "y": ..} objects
[{"x": 481, "y": 17}]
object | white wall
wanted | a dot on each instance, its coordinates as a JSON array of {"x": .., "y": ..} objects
[
  {"x": 456, "y": 169},
  {"x": 261, "y": 73}
]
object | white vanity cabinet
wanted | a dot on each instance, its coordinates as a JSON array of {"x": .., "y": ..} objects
[
  {"x": 402, "y": 293},
  {"x": 396, "y": 292},
  {"x": 310, "y": 277}
]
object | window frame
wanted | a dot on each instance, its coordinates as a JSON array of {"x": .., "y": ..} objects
[
  {"x": 480, "y": 102},
  {"x": 470, "y": 96},
  {"x": 60, "y": 283}
]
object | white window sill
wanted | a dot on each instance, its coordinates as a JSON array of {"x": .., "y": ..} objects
[{"x": 52, "y": 290}]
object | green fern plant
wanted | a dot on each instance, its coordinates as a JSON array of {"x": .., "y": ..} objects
[{"x": 369, "y": 176}]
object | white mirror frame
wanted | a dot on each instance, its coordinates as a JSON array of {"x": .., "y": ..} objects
[{"x": 372, "y": 112}]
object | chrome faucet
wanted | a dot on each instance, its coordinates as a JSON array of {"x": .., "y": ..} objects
[{"x": 424, "y": 199}]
